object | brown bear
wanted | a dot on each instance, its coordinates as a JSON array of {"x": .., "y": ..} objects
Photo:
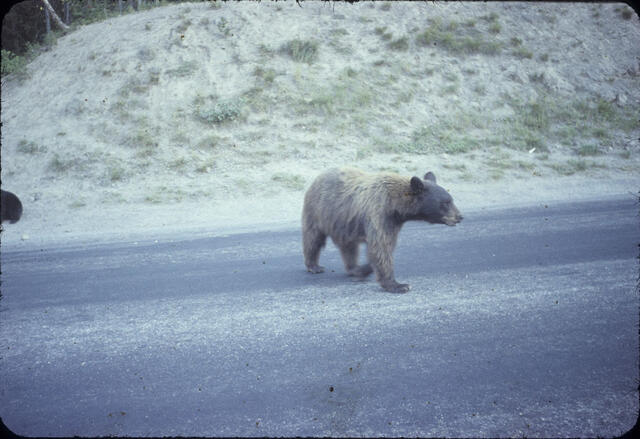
[
  {"x": 354, "y": 207},
  {"x": 10, "y": 207}
]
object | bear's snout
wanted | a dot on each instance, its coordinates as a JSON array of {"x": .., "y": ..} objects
[
  {"x": 452, "y": 221},
  {"x": 453, "y": 217}
]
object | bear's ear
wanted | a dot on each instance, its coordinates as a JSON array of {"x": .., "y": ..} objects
[
  {"x": 430, "y": 176},
  {"x": 417, "y": 185}
]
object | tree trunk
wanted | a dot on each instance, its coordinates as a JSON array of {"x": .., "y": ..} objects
[
  {"x": 53, "y": 14},
  {"x": 67, "y": 12},
  {"x": 47, "y": 21}
]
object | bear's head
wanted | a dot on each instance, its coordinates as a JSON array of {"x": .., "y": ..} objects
[{"x": 432, "y": 203}]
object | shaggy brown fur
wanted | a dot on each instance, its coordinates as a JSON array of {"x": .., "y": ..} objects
[{"x": 353, "y": 207}]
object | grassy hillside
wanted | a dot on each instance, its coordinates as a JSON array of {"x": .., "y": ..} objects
[{"x": 213, "y": 102}]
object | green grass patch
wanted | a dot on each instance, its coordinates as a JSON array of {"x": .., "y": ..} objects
[
  {"x": 400, "y": 44},
  {"x": 220, "y": 111},
  {"x": 163, "y": 194},
  {"x": 363, "y": 153},
  {"x": 438, "y": 138},
  {"x": 480, "y": 89},
  {"x": 301, "y": 51},
  {"x": 499, "y": 160},
  {"x": 77, "y": 204},
  {"x": 589, "y": 150},
  {"x": 495, "y": 28},
  {"x": 146, "y": 152},
  {"x": 61, "y": 165},
  {"x": 178, "y": 164},
  {"x": 569, "y": 167},
  {"x": 142, "y": 139},
  {"x": 382, "y": 32},
  {"x": 456, "y": 167},
  {"x": 266, "y": 74},
  {"x": 209, "y": 142},
  {"x": 522, "y": 53},
  {"x": 146, "y": 54},
  {"x": 116, "y": 173},
  {"x": 28, "y": 147},
  {"x": 347, "y": 95},
  {"x": 223, "y": 26},
  {"x": 450, "y": 89},
  {"x": 515, "y": 41},
  {"x": 527, "y": 166},
  {"x": 600, "y": 133},
  {"x": 490, "y": 17},
  {"x": 536, "y": 77},
  {"x": 567, "y": 122},
  {"x": 184, "y": 70},
  {"x": 575, "y": 124},
  {"x": 182, "y": 26},
  {"x": 139, "y": 86},
  {"x": 290, "y": 181},
  {"x": 206, "y": 166},
  {"x": 453, "y": 38}
]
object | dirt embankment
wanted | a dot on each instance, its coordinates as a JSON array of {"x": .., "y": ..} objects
[{"x": 209, "y": 117}]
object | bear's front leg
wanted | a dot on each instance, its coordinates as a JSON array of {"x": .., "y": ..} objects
[
  {"x": 315, "y": 269},
  {"x": 382, "y": 261},
  {"x": 394, "y": 287}
]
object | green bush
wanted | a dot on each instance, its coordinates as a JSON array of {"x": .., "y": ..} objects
[
  {"x": 12, "y": 63},
  {"x": 627, "y": 13}
]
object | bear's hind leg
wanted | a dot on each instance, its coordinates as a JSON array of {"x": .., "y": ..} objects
[
  {"x": 349, "y": 254},
  {"x": 312, "y": 242},
  {"x": 362, "y": 271}
]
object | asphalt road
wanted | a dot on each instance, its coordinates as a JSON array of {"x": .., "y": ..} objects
[{"x": 519, "y": 322}]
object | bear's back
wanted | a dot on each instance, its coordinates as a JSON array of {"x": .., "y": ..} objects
[{"x": 342, "y": 202}]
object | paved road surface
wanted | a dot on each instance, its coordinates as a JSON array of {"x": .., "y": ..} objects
[{"x": 519, "y": 322}]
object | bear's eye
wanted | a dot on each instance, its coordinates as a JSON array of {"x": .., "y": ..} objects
[{"x": 444, "y": 205}]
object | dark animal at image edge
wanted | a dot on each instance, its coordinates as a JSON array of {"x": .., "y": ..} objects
[
  {"x": 353, "y": 207},
  {"x": 10, "y": 207}
]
